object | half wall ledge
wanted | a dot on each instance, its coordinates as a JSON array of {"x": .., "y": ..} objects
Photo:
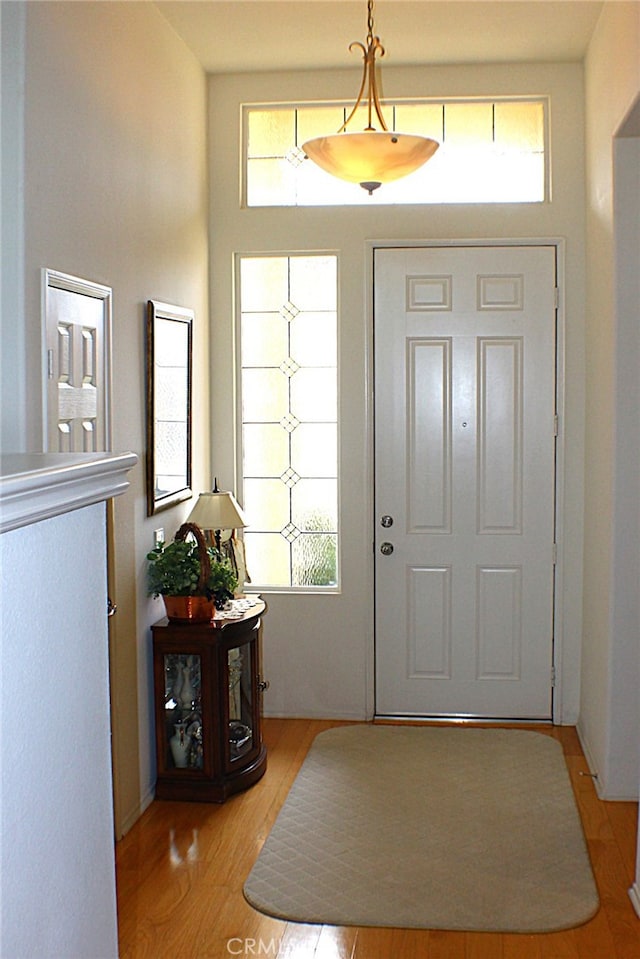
[{"x": 38, "y": 486}]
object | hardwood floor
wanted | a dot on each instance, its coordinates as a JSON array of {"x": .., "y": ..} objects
[{"x": 181, "y": 869}]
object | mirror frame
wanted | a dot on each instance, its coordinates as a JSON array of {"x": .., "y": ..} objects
[{"x": 158, "y": 314}]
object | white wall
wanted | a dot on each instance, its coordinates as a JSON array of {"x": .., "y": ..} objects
[
  {"x": 609, "y": 715},
  {"x": 115, "y": 191},
  {"x": 58, "y": 872},
  {"x": 13, "y": 405},
  {"x": 318, "y": 649}
]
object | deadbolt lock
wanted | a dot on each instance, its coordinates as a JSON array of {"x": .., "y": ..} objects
[{"x": 386, "y": 522}]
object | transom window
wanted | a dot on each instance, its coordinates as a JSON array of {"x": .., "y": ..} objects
[
  {"x": 491, "y": 151},
  {"x": 288, "y": 385}
]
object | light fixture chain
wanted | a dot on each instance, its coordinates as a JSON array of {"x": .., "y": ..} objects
[{"x": 369, "y": 21}]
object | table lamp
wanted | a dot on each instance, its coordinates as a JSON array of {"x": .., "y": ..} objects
[{"x": 217, "y": 512}]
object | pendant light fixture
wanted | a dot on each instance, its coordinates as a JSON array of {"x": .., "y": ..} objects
[{"x": 375, "y": 156}]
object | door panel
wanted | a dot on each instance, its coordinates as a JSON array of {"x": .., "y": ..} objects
[
  {"x": 429, "y": 434},
  {"x": 500, "y": 404},
  {"x": 465, "y": 458},
  {"x": 77, "y": 328}
]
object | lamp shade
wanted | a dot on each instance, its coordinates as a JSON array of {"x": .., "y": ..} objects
[
  {"x": 371, "y": 157},
  {"x": 217, "y": 510}
]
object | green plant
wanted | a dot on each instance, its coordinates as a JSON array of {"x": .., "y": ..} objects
[
  {"x": 175, "y": 570},
  {"x": 222, "y": 582}
]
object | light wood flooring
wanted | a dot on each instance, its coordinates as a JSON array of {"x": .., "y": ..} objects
[{"x": 181, "y": 868}]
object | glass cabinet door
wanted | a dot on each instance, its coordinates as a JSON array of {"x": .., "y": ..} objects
[
  {"x": 241, "y": 702},
  {"x": 183, "y": 710}
]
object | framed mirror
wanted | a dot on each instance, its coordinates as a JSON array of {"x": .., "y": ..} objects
[{"x": 169, "y": 345}]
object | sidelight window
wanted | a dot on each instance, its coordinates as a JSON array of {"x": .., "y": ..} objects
[{"x": 289, "y": 429}]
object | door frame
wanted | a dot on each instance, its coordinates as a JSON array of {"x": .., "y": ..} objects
[
  {"x": 558, "y": 599},
  {"x": 55, "y": 280}
]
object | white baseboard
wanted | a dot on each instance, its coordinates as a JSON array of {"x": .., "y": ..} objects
[
  {"x": 602, "y": 790},
  {"x": 593, "y": 769},
  {"x": 312, "y": 714},
  {"x": 634, "y": 896},
  {"x": 134, "y": 814}
]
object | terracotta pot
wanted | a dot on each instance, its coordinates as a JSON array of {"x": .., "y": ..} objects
[{"x": 189, "y": 609}]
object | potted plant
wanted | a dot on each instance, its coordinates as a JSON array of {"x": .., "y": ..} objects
[{"x": 191, "y": 577}]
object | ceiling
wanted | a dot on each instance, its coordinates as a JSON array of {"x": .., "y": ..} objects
[{"x": 249, "y": 35}]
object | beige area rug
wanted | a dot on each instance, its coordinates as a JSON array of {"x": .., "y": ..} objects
[{"x": 434, "y": 828}]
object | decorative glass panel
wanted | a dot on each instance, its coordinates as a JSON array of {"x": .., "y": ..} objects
[
  {"x": 314, "y": 449},
  {"x": 266, "y": 501},
  {"x": 313, "y": 395},
  {"x": 313, "y": 342},
  {"x": 314, "y": 560},
  {"x": 491, "y": 151},
  {"x": 270, "y": 132},
  {"x": 421, "y": 119},
  {"x": 264, "y": 395},
  {"x": 266, "y": 449},
  {"x": 240, "y": 702},
  {"x": 183, "y": 710},
  {"x": 314, "y": 506},
  {"x": 315, "y": 121},
  {"x": 265, "y": 339},
  {"x": 289, "y": 409},
  {"x": 264, "y": 283},
  {"x": 268, "y": 559},
  {"x": 270, "y": 179},
  {"x": 519, "y": 127},
  {"x": 468, "y": 124},
  {"x": 313, "y": 283}
]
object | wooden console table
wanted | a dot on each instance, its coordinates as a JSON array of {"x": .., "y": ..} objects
[{"x": 208, "y": 698}]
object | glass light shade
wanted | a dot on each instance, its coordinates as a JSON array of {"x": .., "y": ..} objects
[
  {"x": 372, "y": 157},
  {"x": 217, "y": 511}
]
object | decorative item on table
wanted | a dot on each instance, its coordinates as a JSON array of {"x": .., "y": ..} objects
[
  {"x": 183, "y": 708},
  {"x": 192, "y": 578},
  {"x": 220, "y": 514},
  {"x": 179, "y": 743},
  {"x": 186, "y": 745},
  {"x": 239, "y": 736}
]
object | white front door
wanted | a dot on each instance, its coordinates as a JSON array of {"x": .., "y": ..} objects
[{"x": 465, "y": 430}]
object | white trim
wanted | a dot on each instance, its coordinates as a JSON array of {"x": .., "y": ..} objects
[
  {"x": 603, "y": 791},
  {"x": 136, "y": 813},
  {"x": 369, "y": 474},
  {"x": 591, "y": 764},
  {"x": 559, "y": 609},
  {"x": 634, "y": 896},
  {"x": 38, "y": 486}
]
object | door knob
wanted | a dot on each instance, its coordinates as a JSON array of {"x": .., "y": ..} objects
[
  {"x": 111, "y": 607},
  {"x": 386, "y": 549}
]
